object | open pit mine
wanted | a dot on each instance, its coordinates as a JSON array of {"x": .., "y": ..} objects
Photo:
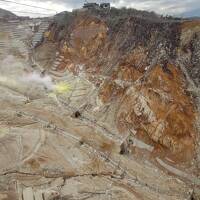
[{"x": 99, "y": 104}]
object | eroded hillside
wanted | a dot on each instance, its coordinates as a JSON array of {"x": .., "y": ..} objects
[
  {"x": 105, "y": 105},
  {"x": 136, "y": 64}
]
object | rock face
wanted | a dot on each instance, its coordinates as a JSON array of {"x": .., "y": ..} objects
[{"x": 137, "y": 65}]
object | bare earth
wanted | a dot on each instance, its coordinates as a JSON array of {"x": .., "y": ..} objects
[{"x": 58, "y": 141}]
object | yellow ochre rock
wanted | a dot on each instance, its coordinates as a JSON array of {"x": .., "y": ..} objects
[{"x": 62, "y": 87}]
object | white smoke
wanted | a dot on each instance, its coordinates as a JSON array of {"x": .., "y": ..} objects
[
  {"x": 36, "y": 78},
  {"x": 15, "y": 73}
]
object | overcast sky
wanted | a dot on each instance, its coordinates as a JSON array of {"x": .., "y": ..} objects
[{"x": 172, "y": 7}]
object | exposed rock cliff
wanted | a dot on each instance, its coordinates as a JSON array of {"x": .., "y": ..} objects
[{"x": 137, "y": 63}]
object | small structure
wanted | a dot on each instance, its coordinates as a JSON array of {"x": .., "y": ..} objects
[
  {"x": 76, "y": 114},
  {"x": 96, "y": 5},
  {"x": 91, "y": 5},
  {"x": 105, "y": 5}
]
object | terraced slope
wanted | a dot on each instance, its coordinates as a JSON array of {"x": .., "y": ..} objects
[
  {"x": 13, "y": 38},
  {"x": 100, "y": 109}
]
